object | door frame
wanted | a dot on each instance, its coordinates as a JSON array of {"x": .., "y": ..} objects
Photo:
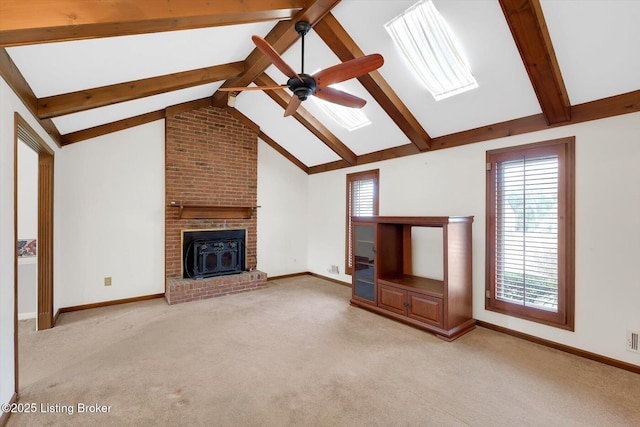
[{"x": 25, "y": 133}]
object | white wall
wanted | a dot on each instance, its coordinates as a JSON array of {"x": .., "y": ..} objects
[
  {"x": 452, "y": 182},
  {"x": 282, "y": 216},
  {"x": 27, "y": 229},
  {"x": 326, "y": 211},
  {"x": 27, "y": 192},
  {"x": 27, "y": 288},
  {"x": 111, "y": 190},
  {"x": 9, "y": 104}
]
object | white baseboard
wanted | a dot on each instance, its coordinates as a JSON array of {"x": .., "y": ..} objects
[{"x": 25, "y": 316}]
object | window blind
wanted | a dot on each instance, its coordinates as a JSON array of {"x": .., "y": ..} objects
[
  {"x": 362, "y": 195},
  {"x": 526, "y": 262}
]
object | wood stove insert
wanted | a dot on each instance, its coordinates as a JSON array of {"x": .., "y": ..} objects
[{"x": 209, "y": 253}]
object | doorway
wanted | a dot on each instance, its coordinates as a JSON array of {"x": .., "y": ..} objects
[
  {"x": 27, "y": 217},
  {"x": 23, "y": 133}
]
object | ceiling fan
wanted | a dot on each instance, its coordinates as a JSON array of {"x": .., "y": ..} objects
[{"x": 304, "y": 85}]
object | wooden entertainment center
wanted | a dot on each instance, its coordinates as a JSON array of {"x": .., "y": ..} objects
[{"x": 383, "y": 280}]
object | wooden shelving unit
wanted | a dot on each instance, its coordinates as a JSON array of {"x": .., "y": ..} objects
[{"x": 383, "y": 279}]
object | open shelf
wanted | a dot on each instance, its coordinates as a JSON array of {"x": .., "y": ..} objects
[
  {"x": 367, "y": 263},
  {"x": 384, "y": 280},
  {"x": 213, "y": 212}
]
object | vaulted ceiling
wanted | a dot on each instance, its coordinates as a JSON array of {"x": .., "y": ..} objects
[{"x": 87, "y": 68}]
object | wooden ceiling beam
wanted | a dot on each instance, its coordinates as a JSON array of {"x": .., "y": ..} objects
[
  {"x": 172, "y": 110},
  {"x": 281, "y": 37},
  {"x": 305, "y": 118},
  {"x": 529, "y": 30},
  {"x": 606, "y": 107},
  {"x": 594, "y": 110},
  {"x": 16, "y": 81},
  {"x": 96, "y": 131},
  {"x": 345, "y": 48},
  {"x": 59, "y": 105},
  {"x": 106, "y": 128},
  {"x": 24, "y": 22}
]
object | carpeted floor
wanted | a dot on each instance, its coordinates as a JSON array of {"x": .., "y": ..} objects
[{"x": 296, "y": 354}]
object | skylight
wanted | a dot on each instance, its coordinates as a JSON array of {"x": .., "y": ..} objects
[
  {"x": 349, "y": 118},
  {"x": 424, "y": 38}
]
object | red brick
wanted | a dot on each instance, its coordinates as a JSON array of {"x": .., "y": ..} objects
[{"x": 210, "y": 158}]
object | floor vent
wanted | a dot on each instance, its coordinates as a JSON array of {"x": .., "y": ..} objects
[{"x": 632, "y": 341}]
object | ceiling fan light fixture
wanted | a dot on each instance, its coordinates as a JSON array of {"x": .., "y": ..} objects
[
  {"x": 425, "y": 41},
  {"x": 231, "y": 100}
]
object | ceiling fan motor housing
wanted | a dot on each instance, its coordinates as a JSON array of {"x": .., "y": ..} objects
[{"x": 302, "y": 89}]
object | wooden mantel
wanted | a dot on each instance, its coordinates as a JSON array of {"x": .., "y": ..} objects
[{"x": 213, "y": 212}]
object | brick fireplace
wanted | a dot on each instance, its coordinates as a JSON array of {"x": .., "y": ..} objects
[{"x": 211, "y": 162}]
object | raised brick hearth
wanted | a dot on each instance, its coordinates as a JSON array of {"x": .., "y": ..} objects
[
  {"x": 183, "y": 290},
  {"x": 211, "y": 159}
]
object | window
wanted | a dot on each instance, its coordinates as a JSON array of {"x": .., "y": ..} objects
[
  {"x": 424, "y": 39},
  {"x": 530, "y": 232},
  {"x": 362, "y": 200},
  {"x": 349, "y": 118}
]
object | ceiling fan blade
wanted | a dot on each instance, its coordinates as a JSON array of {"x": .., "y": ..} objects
[
  {"x": 274, "y": 57},
  {"x": 239, "y": 89},
  {"x": 339, "y": 97},
  {"x": 294, "y": 103},
  {"x": 348, "y": 70}
]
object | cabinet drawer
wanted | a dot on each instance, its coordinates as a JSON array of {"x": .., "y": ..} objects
[
  {"x": 392, "y": 299},
  {"x": 426, "y": 308}
]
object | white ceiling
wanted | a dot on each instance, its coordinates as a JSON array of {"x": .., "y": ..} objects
[
  {"x": 596, "y": 43},
  {"x": 599, "y": 52}
]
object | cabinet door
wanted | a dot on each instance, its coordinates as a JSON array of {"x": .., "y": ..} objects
[
  {"x": 392, "y": 299},
  {"x": 363, "y": 263},
  {"x": 426, "y": 308}
]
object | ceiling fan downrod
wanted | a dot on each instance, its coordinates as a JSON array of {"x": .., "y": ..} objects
[
  {"x": 302, "y": 28},
  {"x": 303, "y": 86}
]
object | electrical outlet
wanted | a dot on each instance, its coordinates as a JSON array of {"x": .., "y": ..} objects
[
  {"x": 334, "y": 269},
  {"x": 107, "y": 281},
  {"x": 632, "y": 341}
]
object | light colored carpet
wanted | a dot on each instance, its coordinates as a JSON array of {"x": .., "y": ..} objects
[{"x": 296, "y": 354}]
